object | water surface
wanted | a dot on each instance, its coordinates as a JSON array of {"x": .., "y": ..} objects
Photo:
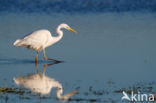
[{"x": 111, "y": 51}]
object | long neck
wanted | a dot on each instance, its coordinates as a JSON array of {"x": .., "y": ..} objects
[
  {"x": 59, "y": 87},
  {"x": 60, "y": 34},
  {"x": 58, "y": 93},
  {"x": 66, "y": 96}
]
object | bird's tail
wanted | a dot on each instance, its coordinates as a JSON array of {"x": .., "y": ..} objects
[{"x": 16, "y": 43}]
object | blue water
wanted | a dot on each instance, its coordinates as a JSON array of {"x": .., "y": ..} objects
[
  {"x": 111, "y": 51},
  {"x": 77, "y": 6}
]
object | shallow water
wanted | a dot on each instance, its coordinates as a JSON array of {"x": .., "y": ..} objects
[{"x": 111, "y": 51}]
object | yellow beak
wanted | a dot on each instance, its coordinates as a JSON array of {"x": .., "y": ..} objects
[
  {"x": 73, "y": 30},
  {"x": 67, "y": 96}
]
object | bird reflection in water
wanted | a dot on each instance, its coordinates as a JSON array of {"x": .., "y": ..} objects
[{"x": 41, "y": 84}]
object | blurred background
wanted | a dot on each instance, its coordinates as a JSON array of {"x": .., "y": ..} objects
[{"x": 77, "y": 6}]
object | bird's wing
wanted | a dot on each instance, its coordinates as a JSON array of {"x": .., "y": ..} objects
[{"x": 35, "y": 40}]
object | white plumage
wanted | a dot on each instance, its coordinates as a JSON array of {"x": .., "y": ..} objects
[
  {"x": 40, "y": 83},
  {"x": 41, "y": 39},
  {"x": 37, "y": 83},
  {"x": 37, "y": 40}
]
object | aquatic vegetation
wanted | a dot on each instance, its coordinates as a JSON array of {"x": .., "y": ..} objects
[
  {"x": 144, "y": 87},
  {"x": 11, "y": 90},
  {"x": 92, "y": 94}
]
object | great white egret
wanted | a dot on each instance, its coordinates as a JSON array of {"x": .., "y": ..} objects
[
  {"x": 41, "y": 84},
  {"x": 40, "y": 39}
]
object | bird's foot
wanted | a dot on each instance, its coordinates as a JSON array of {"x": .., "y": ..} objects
[
  {"x": 45, "y": 58},
  {"x": 57, "y": 61}
]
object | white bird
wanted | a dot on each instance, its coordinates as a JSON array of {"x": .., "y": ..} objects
[
  {"x": 41, "y": 84},
  {"x": 40, "y": 39}
]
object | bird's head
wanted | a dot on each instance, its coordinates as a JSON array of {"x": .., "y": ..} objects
[{"x": 68, "y": 28}]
